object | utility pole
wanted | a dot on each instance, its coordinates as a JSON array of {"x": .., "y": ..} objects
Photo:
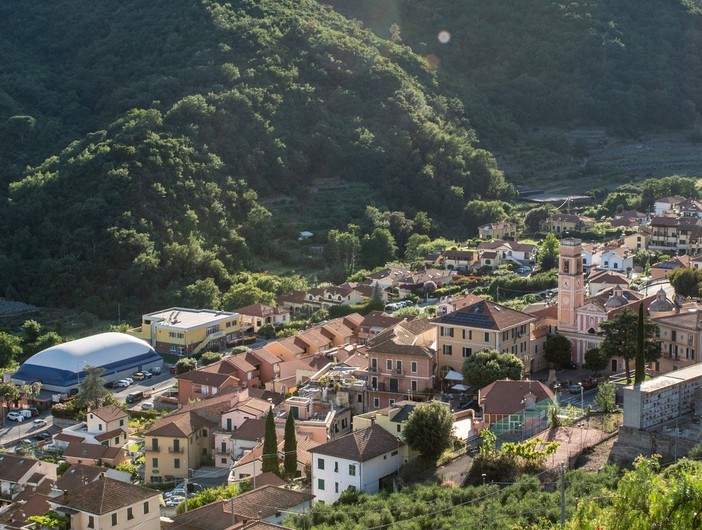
[{"x": 563, "y": 515}]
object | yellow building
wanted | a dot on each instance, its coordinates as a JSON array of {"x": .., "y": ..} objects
[
  {"x": 183, "y": 331},
  {"x": 176, "y": 443},
  {"x": 479, "y": 326}
]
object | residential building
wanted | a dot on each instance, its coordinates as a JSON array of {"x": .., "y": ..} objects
[
  {"x": 481, "y": 325},
  {"x": 460, "y": 259},
  {"x": 110, "y": 424},
  {"x": 93, "y": 454},
  {"x": 506, "y": 399},
  {"x": 500, "y": 230},
  {"x": 495, "y": 253},
  {"x": 617, "y": 259},
  {"x": 199, "y": 384},
  {"x": 450, "y": 304},
  {"x": 183, "y": 331},
  {"x": 401, "y": 363},
  {"x": 373, "y": 323},
  {"x": 253, "y": 317},
  {"x": 359, "y": 460},
  {"x": 107, "y": 503},
  {"x": 667, "y": 205},
  {"x": 629, "y": 219},
  {"x": 676, "y": 235},
  {"x": 639, "y": 240},
  {"x": 562, "y": 223},
  {"x": 680, "y": 333},
  {"x": 19, "y": 472},
  {"x": 603, "y": 279},
  {"x": 662, "y": 269},
  {"x": 262, "y": 507}
]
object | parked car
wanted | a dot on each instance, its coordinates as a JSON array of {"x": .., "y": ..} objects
[
  {"x": 170, "y": 502},
  {"x": 156, "y": 370},
  {"x": 39, "y": 423},
  {"x": 147, "y": 374},
  {"x": 122, "y": 383},
  {"x": 589, "y": 383},
  {"x": 27, "y": 441},
  {"x": 139, "y": 376},
  {"x": 15, "y": 416},
  {"x": 135, "y": 396},
  {"x": 42, "y": 436},
  {"x": 129, "y": 380},
  {"x": 147, "y": 405},
  {"x": 110, "y": 384},
  {"x": 575, "y": 388}
]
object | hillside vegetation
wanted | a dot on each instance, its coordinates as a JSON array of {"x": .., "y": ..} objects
[
  {"x": 632, "y": 66},
  {"x": 151, "y": 129}
]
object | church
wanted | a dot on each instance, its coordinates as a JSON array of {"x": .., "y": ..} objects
[{"x": 579, "y": 316}]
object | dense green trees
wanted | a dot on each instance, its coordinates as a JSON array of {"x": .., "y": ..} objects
[
  {"x": 429, "y": 429},
  {"x": 558, "y": 350},
  {"x": 484, "y": 367},
  {"x": 212, "y": 101},
  {"x": 621, "y": 337}
]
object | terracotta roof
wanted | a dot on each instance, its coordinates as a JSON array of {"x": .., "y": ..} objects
[
  {"x": 18, "y": 513},
  {"x": 379, "y": 319},
  {"x": 239, "y": 362},
  {"x": 65, "y": 437},
  {"x": 353, "y": 320},
  {"x": 205, "y": 377},
  {"x": 290, "y": 368},
  {"x": 673, "y": 199},
  {"x": 361, "y": 445},
  {"x": 568, "y": 218},
  {"x": 357, "y": 360},
  {"x": 314, "y": 337},
  {"x": 506, "y": 396},
  {"x": 261, "y": 310},
  {"x": 13, "y": 468},
  {"x": 110, "y": 434},
  {"x": 263, "y": 355},
  {"x": 251, "y": 429},
  {"x": 610, "y": 277},
  {"x": 179, "y": 425},
  {"x": 78, "y": 475},
  {"x": 460, "y": 254},
  {"x": 269, "y": 479},
  {"x": 256, "y": 504},
  {"x": 109, "y": 413},
  {"x": 401, "y": 340},
  {"x": 690, "y": 320},
  {"x": 488, "y": 254},
  {"x": 83, "y": 450},
  {"x": 486, "y": 315},
  {"x": 105, "y": 495}
]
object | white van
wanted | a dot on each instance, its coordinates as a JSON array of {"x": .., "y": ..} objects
[{"x": 156, "y": 370}]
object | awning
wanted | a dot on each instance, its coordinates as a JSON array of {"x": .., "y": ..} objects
[
  {"x": 453, "y": 376},
  {"x": 460, "y": 387}
]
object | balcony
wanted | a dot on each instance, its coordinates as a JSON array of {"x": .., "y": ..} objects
[
  {"x": 175, "y": 450},
  {"x": 152, "y": 449}
]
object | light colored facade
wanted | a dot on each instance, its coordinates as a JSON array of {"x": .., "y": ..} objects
[
  {"x": 110, "y": 504},
  {"x": 616, "y": 259},
  {"x": 17, "y": 472},
  {"x": 501, "y": 230},
  {"x": 401, "y": 363},
  {"x": 638, "y": 241},
  {"x": 359, "y": 460},
  {"x": 253, "y": 317},
  {"x": 479, "y": 326},
  {"x": 183, "y": 331}
]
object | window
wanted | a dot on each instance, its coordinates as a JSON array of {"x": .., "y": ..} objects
[
  {"x": 388, "y": 364},
  {"x": 154, "y": 462},
  {"x": 99, "y": 426},
  {"x": 446, "y": 332},
  {"x": 336, "y": 487},
  {"x": 121, "y": 423},
  {"x": 391, "y": 402},
  {"x": 176, "y": 463},
  {"x": 398, "y": 366},
  {"x": 116, "y": 440},
  {"x": 374, "y": 364},
  {"x": 414, "y": 386},
  {"x": 114, "y": 519},
  {"x": 91, "y": 521},
  {"x": 336, "y": 467},
  {"x": 320, "y": 464},
  {"x": 173, "y": 348},
  {"x": 413, "y": 367},
  {"x": 130, "y": 513},
  {"x": 487, "y": 337},
  {"x": 146, "y": 507},
  {"x": 352, "y": 470},
  {"x": 376, "y": 402},
  {"x": 374, "y": 383},
  {"x": 463, "y": 333},
  {"x": 470, "y": 334},
  {"x": 467, "y": 352},
  {"x": 320, "y": 484},
  {"x": 447, "y": 349},
  {"x": 154, "y": 444}
]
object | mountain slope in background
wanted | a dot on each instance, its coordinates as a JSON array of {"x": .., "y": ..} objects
[{"x": 183, "y": 113}]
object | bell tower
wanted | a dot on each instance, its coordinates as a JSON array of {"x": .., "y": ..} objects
[{"x": 571, "y": 294}]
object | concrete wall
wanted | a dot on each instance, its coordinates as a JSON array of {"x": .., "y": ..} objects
[{"x": 634, "y": 442}]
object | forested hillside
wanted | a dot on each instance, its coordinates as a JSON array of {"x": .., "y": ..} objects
[
  {"x": 632, "y": 66},
  {"x": 151, "y": 129}
]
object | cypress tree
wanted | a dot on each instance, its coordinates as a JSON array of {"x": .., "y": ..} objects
[
  {"x": 640, "y": 373},
  {"x": 290, "y": 448},
  {"x": 270, "y": 446}
]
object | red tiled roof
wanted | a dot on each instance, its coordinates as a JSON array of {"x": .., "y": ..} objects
[
  {"x": 105, "y": 495},
  {"x": 361, "y": 445},
  {"x": 506, "y": 396},
  {"x": 110, "y": 413}
]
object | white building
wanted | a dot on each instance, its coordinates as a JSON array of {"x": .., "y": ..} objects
[{"x": 359, "y": 460}]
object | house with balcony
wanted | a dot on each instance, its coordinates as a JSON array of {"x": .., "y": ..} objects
[
  {"x": 184, "y": 439},
  {"x": 253, "y": 317},
  {"x": 109, "y": 503},
  {"x": 667, "y": 205},
  {"x": 20, "y": 472},
  {"x": 498, "y": 252},
  {"x": 233, "y": 444},
  {"x": 676, "y": 235},
  {"x": 562, "y": 223},
  {"x": 479, "y": 326},
  {"x": 680, "y": 333},
  {"x": 401, "y": 363},
  {"x": 639, "y": 240},
  {"x": 360, "y": 460},
  {"x": 183, "y": 331},
  {"x": 107, "y": 426}
]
